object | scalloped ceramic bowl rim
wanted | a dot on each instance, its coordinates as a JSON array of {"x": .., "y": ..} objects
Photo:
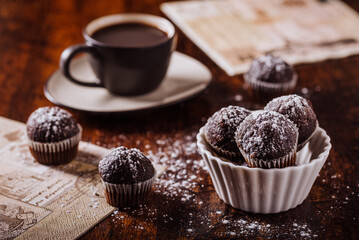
[{"x": 206, "y": 147}]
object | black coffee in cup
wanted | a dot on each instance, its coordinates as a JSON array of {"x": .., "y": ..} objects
[
  {"x": 129, "y": 53},
  {"x": 130, "y": 35}
]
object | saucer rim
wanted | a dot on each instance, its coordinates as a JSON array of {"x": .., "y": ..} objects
[{"x": 162, "y": 105}]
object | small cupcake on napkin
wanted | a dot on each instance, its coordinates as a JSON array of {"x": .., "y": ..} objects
[{"x": 53, "y": 135}]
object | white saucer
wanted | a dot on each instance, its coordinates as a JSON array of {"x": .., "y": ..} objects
[{"x": 185, "y": 78}]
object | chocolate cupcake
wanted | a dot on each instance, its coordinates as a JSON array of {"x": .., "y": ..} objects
[
  {"x": 267, "y": 139},
  {"x": 270, "y": 77},
  {"x": 127, "y": 175},
  {"x": 53, "y": 135},
  {"x": 220, "y": 129},
  {"x": 300, "y": 111}
]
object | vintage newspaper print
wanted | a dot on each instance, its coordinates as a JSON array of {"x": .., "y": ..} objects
[
  {"x": 234, "y": 32},
  {"x": 41, "y": 202}
]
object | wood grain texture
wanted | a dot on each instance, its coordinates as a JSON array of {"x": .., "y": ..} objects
[{"x": 33, "y": 35}]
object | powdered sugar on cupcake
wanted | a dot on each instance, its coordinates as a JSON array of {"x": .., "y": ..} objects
[
  {"x": 266, "y": 135},
  {"x": 51, "y": 124}
]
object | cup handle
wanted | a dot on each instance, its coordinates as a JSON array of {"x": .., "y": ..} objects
[{"x": 68, "y": 54}]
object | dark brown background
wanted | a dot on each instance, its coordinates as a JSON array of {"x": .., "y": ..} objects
[{"x": 32, "y": 37}]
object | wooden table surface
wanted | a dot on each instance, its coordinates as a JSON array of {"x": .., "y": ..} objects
[{"x": 184, "y": 204}]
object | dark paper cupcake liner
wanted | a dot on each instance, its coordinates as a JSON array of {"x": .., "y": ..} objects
[
  {"x": 286, "y": 161},
  {"x": 235, "y": 157},
  {"x": 55, "y": 153},
  {"x": 125, "y": 195},
  {"x": 264, "y": 91}
]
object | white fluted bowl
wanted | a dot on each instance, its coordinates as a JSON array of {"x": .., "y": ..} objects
[{"x": 266, "y": 190}]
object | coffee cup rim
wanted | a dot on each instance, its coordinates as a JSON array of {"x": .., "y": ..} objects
[{"x": 141, "y": 18}]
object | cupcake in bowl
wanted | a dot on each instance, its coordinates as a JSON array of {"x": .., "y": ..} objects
[
  {"x": 300, "y": 111},
  {"x": 267, "y": 139},
  {"x": 220, "y": 129},
  {"x": 260, "y": 189}
]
